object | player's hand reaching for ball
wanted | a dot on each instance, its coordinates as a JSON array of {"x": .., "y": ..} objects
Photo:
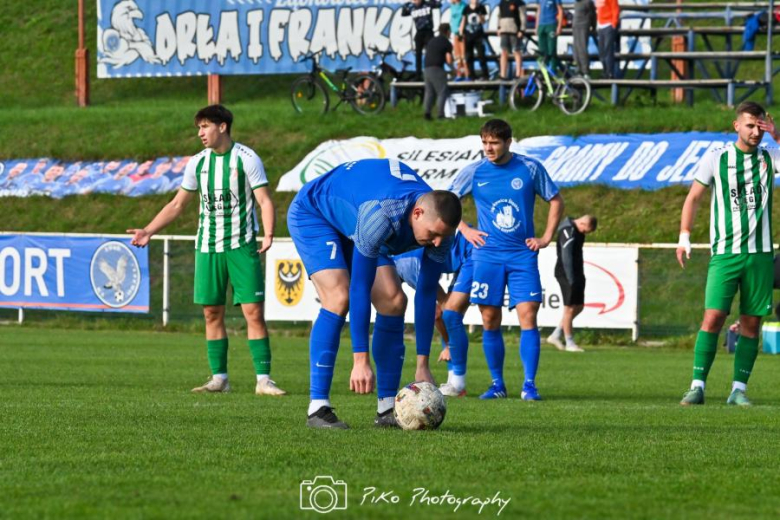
[
  {"x": 140, "y": 237},
  {"x": 361, "y": 380}
]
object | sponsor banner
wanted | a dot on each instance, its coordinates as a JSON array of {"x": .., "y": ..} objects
[
  {"x": 611, "y": 291},
  {"x": 192, "y": 37},
  {"x": 627, "y": 161},
  {"x": 73, "y": 274},
  {"x": 57, "y": 179}
]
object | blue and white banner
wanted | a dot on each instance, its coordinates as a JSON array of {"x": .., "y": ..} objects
[
  {"x": 53, "y": 178},
  {"x": 138, "y": 38},
  {"x": 73, "y": 274},
  {"x": 629, "y": 161}
]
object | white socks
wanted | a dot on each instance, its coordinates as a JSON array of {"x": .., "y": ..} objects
[
  {"x": 736, "y": 385},
  {"x": 557, "y": 332},
  {"x": 458, "y": 382},
  {"x": 697, "y": 383},
  {"x": 384, "y": 404},
  {"x": 221, "y": 377},
  {"x": 261, "y": 377},
  {"x": 316, "y": 404}
]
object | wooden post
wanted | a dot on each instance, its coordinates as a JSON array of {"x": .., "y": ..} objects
[
  {"x": 678, "y": 45},
  {"x": 215, "y": 89},
  {"x": 82, "y": 64}
]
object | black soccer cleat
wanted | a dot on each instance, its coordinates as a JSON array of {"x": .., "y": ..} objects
[
  {"x": 325, "y": 418},
  {"x": 386, "y": 419}
]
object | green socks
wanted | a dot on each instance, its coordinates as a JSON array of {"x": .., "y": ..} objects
[
  {"x": 217, "y": 352},
  {"x": 704, "y": 354},
  {"x": 261, "y": 355},
  {"x": 744, "y": 358}
]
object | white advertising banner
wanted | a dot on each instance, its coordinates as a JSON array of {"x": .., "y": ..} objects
[{"x": 611, "y": 291}]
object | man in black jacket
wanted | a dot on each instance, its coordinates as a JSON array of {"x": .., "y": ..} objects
[
  {"x": 438, "y": 52},
  {"x": 421, "y": 12},
  {"x": 569, "y": 271}
]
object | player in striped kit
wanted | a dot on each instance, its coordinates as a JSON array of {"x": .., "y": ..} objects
[
  {"x": 230, "y": 178},
  {"x": 740, "y": 176}
]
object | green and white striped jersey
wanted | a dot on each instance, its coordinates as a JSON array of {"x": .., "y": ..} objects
[
  {"x": 227, "y": 205},
  {"x": 741, "y": 208}
]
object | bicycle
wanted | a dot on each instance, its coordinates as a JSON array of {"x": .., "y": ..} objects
[
  {"x": 310, "y": 95},
  {"x": 387, "y": 74},
  {"x": 570, "y": 94}
]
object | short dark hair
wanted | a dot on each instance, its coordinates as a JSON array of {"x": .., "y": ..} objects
[
  {"x": 216, "y": 114},
  {"x": 444, "y": 29},
  {"x": 447, "y": 206},
  {"x": 752, "y": 108},
  {"x": 496, "y": 128},
  {"x": 593, "y": 222}
]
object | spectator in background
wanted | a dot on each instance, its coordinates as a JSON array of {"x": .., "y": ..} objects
[
  {"x": 473, "y": 31},
  {"x": 549, "y": 24},
  {"x": 583, "y": 26},
  {"x": 421, "y": 12},
  {"x": 608, "y": 21},
  {"x": 458, "y": 47},
  {"x": 511, "y": 25},
  {"x": 437, "y": 53},
  {"x": 570, "y": 273}
]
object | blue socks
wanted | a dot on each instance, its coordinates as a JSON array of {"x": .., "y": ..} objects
[
  {"x": 388, "y": 350},
  {"x": 530, "y": 344},
  {"x": 459, "y": 342},
  {"x": 493, "y": 344},
  {"x": 323, "y": 347}
]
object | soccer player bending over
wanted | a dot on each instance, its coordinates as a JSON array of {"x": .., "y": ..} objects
[
  {"x": 740, "y": 176},
  {"x": 452, "y": 306},
  {"x": 230, "y": 178},
  {"x": 344, "y": 225},
  {"x": 504, "y": 186}
]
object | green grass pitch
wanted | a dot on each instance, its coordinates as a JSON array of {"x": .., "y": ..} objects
[{"x": 102, "y": 425}]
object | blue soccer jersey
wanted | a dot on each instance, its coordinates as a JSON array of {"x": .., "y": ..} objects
[
  {"x": 505, "y": 196},
  {"x": 366, "y": 205},
  {"x": 408, "y": 264}
]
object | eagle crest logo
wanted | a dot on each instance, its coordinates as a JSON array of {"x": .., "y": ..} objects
[{"x": 289, "y": 282}]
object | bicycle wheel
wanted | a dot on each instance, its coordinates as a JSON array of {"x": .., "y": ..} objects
[
  {"x": 527, "y": 94},
  {"x": 367, "y": 96},
  {"x": 573, "y": 96},
  {"x": 308, "y": 96}
]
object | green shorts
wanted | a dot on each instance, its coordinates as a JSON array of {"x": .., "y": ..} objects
[
  {"x": 751, "y": 273},
  {"x": 241, "y": 267}
]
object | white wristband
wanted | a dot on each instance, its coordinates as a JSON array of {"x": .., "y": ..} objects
[{"x": 685, "y": 241}]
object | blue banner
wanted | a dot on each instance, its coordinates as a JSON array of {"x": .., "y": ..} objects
[
  {"x": 73, "y": 274},
  {"x": 53, "y": 178},
  {"x": 139, "y": 38}
]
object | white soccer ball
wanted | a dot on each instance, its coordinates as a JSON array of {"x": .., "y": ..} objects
[{"x": 420, "y": 406}]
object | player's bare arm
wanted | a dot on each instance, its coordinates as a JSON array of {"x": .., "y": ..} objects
[
  {"x": 553, "y": 219},
  {"x": 267, "y": 216},
  {"x": 168, "y": 214},
  {"x": 768, "y": 125},
  {"x": 690, "y": 207}
]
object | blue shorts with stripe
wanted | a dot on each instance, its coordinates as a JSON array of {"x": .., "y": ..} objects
[
  {"x": 320, "y": 245},
  {"x": 521, "y": 278}
]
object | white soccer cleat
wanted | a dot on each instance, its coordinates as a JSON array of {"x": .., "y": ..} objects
[
  {"x": 554, "y": 340},
  {"x": 449, "y": 390},
  {"x": 267, "y": 387},
  {"x": 573, "y": 347},
  {"x": 214, "y": 384}
]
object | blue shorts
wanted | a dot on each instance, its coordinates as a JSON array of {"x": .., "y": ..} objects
[
  {"x": 521, "y": 278},
  {"x": 320, "y": 245},
  {"x": 463, "y": 278}
]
